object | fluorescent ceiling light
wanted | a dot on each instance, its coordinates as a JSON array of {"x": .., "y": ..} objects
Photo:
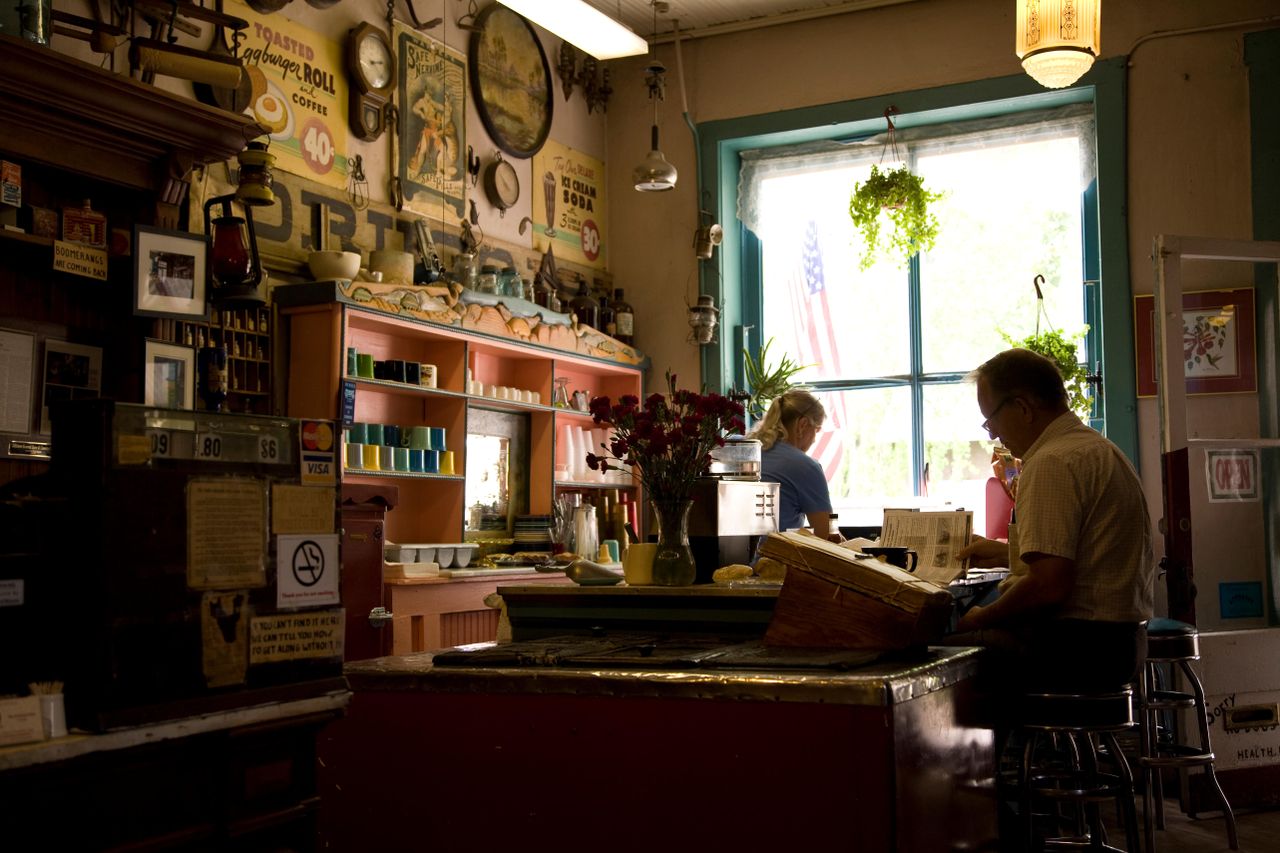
[{"x": 582, "y": 25}]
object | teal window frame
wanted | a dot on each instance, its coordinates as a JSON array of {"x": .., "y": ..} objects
[{"x": 737, "y": 286}]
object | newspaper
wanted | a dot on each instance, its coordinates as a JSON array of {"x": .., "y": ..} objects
[{"x": 935, "y": 536}]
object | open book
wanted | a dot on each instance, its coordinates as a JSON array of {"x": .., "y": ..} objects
[{"x": 935, "y": 536}]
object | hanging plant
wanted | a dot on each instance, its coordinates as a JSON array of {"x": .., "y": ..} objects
[
  {"x": 898, "y": 199},
  {"x": 1062, "y": 350}
]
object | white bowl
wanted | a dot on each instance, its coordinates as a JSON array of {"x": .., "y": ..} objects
[{"x": 327, "y": 265}]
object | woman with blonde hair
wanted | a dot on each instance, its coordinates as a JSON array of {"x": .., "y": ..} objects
[{"x": 788, "y": 430}]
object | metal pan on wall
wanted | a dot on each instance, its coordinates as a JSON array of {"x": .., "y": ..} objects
[{"x": 511, "y": 86}]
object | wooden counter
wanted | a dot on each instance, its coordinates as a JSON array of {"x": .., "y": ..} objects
[
  {"x": 771, "y": 757},
  {"x": 242, "y": 778}
]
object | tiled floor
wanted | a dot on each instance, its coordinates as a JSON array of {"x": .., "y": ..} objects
[{"x": 1259, "y": 831}]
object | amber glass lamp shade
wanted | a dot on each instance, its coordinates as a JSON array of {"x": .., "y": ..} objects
[{"x": 230, "y": 262}]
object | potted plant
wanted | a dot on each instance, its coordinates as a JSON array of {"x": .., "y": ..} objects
[
  {"x": 1063, "y": 351},
  {"x": 766, "y": 382},
  {"x": 899, "y": 199}
]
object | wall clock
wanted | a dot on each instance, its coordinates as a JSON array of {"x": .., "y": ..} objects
[
  {"x": 510, "y": 81},
  {"x": 501, "y": 184},
  {"x": 372, "y": 68}
]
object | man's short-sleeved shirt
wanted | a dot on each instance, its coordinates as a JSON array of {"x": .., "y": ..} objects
[
  {"x": 803, "y": 484},
  {"x": 1080, "y": 498}
]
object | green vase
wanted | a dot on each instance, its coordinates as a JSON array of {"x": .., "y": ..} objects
[{"x": 673, "y": 563}]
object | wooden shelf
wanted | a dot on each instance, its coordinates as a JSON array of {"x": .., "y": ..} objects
[{"x": 75, "y": 116}]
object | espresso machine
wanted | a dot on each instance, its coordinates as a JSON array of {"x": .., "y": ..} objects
[{"x": 732, "y": 509}]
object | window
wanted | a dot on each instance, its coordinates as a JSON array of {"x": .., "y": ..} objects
[{"x": 889, "y": 347}]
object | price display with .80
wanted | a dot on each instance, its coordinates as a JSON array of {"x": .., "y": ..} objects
[{"x": 208, "y": 446}]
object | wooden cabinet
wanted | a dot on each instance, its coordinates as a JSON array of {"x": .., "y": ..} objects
[
  {"x": 431, "y": 504},
  {"x": 321, "y": 329}
]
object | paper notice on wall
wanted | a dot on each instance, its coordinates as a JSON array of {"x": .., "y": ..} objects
[
  {"x": 569, "y": 204},
  {"x": 302, "y": 509},
  {"x": 226, "y": 533},
  {"x": 299, "y": 94},
  {"x": 17, "y": 368},
  {"x": 224, "y": 629},
  {"x": 307, "y": 570},
  {"x": 296, "y": 636}
]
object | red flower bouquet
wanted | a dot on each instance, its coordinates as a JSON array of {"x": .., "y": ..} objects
[{"x": 668, "y": 440}]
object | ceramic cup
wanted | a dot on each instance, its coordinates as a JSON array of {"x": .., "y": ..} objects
[
  {"x": 355, "y": 455},
  {"x": 358, "y": 433},
  {"x": 437, "y": 438},
  {"x": 417, "y": 461},
  {"x": 612, "y": 545},
  {"x": 431, "y": 461},
  {"x": 364, "y": 364},
  {"x": 637, "y": 563},
  {"x": 413, "y": 372},
  {"x": 374, "y": 434},
  {"x": 446, "y": 462},
  {"x": 396, "y": 266},
  {"x": 428, "y": 375},
  {"x": 390, "y": 435},
  {"x": 420, "y": 438},
  {"x": 370, "y": 460},
  {"x": 401, "y": 458},
  {"x": 386, "y": 458},
  {"x": 353, "y": 362}
]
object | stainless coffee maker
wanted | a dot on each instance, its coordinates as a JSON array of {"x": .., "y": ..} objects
[{"x": 732, "y": 510}]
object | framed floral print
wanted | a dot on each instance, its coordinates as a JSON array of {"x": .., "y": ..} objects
[{"x": 1218, "y": 348}]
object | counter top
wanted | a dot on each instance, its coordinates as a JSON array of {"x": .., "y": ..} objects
[
  {"x": 765, "y": 674},
  {"x": 77, "y": 744}
]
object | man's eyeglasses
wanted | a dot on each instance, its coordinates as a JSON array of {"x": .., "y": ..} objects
[{"x": 987, "y": 423}]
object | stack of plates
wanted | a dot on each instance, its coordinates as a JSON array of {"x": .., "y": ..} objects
[{"x": 532, "y": 530}]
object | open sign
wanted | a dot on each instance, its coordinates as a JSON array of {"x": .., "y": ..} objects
[{"x": 1232, "y": 475}]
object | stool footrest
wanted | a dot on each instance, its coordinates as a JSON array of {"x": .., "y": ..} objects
[
  {"x": 1077, "y": 785},
  {"x": 1169, "y": 700}
]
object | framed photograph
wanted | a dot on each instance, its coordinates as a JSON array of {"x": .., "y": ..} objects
[
  {"x": 170, "y": 273},
  {"x": 170, "y": 375},
  {"x": 433, "y": 89},
  {"x": 69, "y": 372},
  {"x": 1217, "y": 342},
  {"x": 510, "y": 81}
]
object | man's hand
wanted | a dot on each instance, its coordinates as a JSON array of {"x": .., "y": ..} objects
[
  {"x": 972, "y": 620},
  {"x": 985, "y": 553}
]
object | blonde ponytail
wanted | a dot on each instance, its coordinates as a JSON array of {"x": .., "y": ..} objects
[{"x": 782, "y": 415}]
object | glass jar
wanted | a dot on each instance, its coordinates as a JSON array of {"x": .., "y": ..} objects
[
  {"x": 464, "y": 270},
  {"x": 509, "y": 283},
  {"x": 487, "y": 280}
]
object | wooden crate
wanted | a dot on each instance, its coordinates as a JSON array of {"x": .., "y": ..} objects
[{"x": 832, "y": 599}]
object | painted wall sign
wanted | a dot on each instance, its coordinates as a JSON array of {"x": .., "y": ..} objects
[
  {"x": 78, "y": 259},
  {"x": 432, "y": 123},
  {"x": 299, "y": 94},
  {"x": 569, "y": 203}
]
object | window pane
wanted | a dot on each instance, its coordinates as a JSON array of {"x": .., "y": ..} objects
[
  {"x": 956, "y": 447},
  {"x": 1009, "y": 213},
  {"x": 863, "y": 446},
  {"x": 823, "y": 312}
]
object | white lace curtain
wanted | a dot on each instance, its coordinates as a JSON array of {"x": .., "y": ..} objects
[{"x": 759, "y": 164}]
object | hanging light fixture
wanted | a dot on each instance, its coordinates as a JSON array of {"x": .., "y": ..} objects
[
  {"x": 1058, "y": 40},
  {"x": 583, "y": 26},
  {"x": 655, "y": 174}
]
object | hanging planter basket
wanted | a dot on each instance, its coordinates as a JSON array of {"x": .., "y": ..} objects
[
  {"x": 1063, "y": 351},
  {"x": 891, "y": 209}
]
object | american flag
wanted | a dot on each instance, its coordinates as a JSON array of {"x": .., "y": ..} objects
[{"x": 816, "y": 338}]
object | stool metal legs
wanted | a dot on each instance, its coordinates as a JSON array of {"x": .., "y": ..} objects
[
  {"x": 1082, "y": 782},
  {"x": 1158, "y": 754}
]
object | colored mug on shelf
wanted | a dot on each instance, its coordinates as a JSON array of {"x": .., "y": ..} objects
[
  {"x": 446, "y": 462},
  {"x": 420, "y": 437}
]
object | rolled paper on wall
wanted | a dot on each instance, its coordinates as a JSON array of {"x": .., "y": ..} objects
[{"x": 174, "y": 60}]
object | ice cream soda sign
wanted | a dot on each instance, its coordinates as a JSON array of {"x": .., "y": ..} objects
[{"x": 569, "y": 203}]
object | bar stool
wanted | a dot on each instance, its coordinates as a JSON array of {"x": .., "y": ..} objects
[
  {"x": 1176, "y": 644},
  {"x": 1071, "y": 775}
]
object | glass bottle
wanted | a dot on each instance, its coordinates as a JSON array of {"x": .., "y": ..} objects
[
  {"x": 607, "y": 324},
  {"x": 585, "y": 307},
  {"x": 623, "y": 318},
  {"x": 509, "y": 283},
  {"x": 487, "y": 280},
  {"x": 211, "y": 369},
  {"x": 586, "y": 535}
]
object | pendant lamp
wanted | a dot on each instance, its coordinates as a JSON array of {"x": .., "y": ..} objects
[
  {"x": 655, "y": 174},
  {"x": 1058, "y": 40}
]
